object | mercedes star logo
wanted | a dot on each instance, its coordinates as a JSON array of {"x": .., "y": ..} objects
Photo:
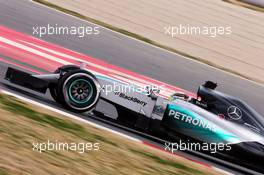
[{"x": 234, "y": 113}]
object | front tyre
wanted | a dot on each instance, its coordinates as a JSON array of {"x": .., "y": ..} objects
[{"x": 79, "y": 90}]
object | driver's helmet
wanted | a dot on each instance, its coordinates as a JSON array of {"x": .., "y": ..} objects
[{"x": 179, "y": 95}]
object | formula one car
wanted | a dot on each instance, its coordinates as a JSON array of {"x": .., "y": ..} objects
[{"x": 212, "y": 117}]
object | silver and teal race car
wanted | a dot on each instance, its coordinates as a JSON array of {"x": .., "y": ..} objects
[{"x": 211, "y": 118}]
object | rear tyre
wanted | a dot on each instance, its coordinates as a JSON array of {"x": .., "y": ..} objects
[
  {"x": 78, "y": 90},
  {"x": 62, "y": 70},
  {"x": 66, "y": 68}
]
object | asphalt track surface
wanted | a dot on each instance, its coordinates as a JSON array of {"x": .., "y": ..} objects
[
  {"x": 22, "y": 15},
  {"x": 130, "y": 54}
]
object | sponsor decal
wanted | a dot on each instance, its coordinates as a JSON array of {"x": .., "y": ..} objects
[
  {"x": 204, "y": 105},
  {"x": 189, "y": 119},
  {"x": 130, "y": 98},
  {"x": 221, "y": 116},
  {"x": 234, "y": 112}
]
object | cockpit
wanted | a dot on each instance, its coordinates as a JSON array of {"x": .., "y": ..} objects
[
  {"x": 224, "y": 106},
  {"x": 229, "y": 107}
]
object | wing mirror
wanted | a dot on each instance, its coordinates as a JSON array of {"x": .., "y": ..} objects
[{"x": 210, "y": 85}]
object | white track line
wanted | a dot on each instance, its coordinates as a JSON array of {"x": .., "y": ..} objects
[
  {"x": 92, "y": 64},
  {"x": 34, "y": 51},
  {"x": 136, "y": 81},
  {"x": 222, "y": 171}
]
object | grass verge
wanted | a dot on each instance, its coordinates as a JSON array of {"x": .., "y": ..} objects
[
  {"x": 22, "y": 124},
  {"x": 144, "y": 39}
]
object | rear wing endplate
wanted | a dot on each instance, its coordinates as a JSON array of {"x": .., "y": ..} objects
[{"x": 26, "y": 80}]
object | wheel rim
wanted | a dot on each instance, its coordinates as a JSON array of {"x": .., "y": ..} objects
[
  {"x": 80, "y": 91},
  {"x": 89, "y": 96}
]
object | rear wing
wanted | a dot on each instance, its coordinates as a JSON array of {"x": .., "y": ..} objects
[{"x": 26, "y": 80}]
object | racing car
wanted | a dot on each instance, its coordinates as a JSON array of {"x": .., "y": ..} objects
[{"x": 211, "y": 117}]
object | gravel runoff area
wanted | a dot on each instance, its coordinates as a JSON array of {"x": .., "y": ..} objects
[{"x": 237, "y": 49}]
